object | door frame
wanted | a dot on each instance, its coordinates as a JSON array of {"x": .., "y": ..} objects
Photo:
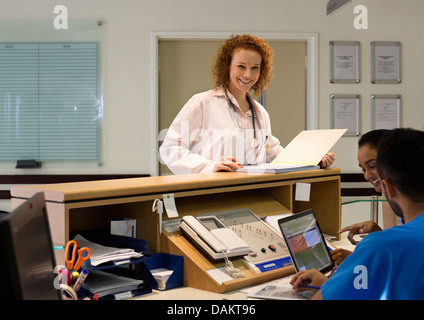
[{"x": 311, "y": 40}]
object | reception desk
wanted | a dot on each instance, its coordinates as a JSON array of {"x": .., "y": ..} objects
[{"x": 89, "y": 205}]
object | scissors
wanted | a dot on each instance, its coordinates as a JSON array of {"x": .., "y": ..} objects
[{"x": 83, "y": 254}]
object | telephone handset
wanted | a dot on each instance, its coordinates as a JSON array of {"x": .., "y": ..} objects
[{"x": 213, "y": 237}]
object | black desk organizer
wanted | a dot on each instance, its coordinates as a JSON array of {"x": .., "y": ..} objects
[{"x": 137, "y": 271}]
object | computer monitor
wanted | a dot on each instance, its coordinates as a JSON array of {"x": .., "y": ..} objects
[{"x": 26, "y": 251}]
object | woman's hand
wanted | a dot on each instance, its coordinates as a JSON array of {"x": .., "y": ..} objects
[
  {"x": 360, "y": 228},
  {"x": 327, "y": 160},
  {"x": 338, "y": 255},
  {"x": 227, "y": 164}
]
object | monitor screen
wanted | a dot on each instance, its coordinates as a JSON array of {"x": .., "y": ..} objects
[
  {"x": 27, "y": 253},
  {"x": 305, "y": 241}
]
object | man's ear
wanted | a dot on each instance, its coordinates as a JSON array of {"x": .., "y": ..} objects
[{"x": 389, "y": 189}]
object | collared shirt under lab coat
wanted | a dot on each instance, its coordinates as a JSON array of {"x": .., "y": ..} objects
[{"x": 207, "y": 128}]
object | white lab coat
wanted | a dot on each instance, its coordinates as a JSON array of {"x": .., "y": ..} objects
[{"x": 207, "y": 128}]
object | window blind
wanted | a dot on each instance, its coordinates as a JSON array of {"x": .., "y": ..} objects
[{"x": 49, "y": 101}]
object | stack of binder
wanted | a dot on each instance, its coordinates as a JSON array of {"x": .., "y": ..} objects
[{"x": 116, "y": 279}]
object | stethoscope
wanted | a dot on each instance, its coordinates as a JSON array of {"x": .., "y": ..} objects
[{"x": 255, "y": 142}]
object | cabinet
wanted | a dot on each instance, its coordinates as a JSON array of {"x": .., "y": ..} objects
[{"x": 93, "y": 204}]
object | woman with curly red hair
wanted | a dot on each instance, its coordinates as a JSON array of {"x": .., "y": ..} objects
[
  {"x": 224, "y": 128},
  {"x": 224, "y": 56}
]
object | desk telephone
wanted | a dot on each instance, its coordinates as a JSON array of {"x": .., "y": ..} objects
[{"x": 213, "y": 237}]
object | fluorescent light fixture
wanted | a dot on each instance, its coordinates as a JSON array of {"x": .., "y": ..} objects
[{"x": 334, "y": 5}]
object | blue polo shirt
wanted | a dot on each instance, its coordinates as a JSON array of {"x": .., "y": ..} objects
[{"x": 386, "y": 265}]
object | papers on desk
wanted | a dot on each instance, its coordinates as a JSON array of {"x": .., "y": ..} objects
[
  {"x": 274, "y": 292},
  {"x": 101, "y": 254},
  {"x": 273, "y": 221},
  {"x": 276, "y": 168},
  {"x": 279, "y": 289}
]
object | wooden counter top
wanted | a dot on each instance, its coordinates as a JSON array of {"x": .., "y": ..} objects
[{"x": 75, "y": 191}]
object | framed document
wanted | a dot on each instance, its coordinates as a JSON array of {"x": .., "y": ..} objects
[
  {"x": 344, "y": 62},
  {"x": 344, "y": 113},
  {"x": 385, "y": 111},
  {"x": 385, "y": 62}
]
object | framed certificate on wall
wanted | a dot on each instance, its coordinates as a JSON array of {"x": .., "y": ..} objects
[
  {"x": 385, "y": 62},
  {"x": 344, "y": 113},
  {"x": 385, "y": 111},
  {"x": 344, "y": 62}
]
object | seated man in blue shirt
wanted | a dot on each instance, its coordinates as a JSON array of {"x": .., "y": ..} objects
[{"x": 387, "y": 264}]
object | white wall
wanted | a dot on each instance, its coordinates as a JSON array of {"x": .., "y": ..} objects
[{"x": 128, "y": 135}]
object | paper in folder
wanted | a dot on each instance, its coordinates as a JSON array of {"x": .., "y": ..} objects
[
  {"x": 309, "y": 146},
  {"x": 304, "y": 152},
  {"x": 101, "y": 254}
]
